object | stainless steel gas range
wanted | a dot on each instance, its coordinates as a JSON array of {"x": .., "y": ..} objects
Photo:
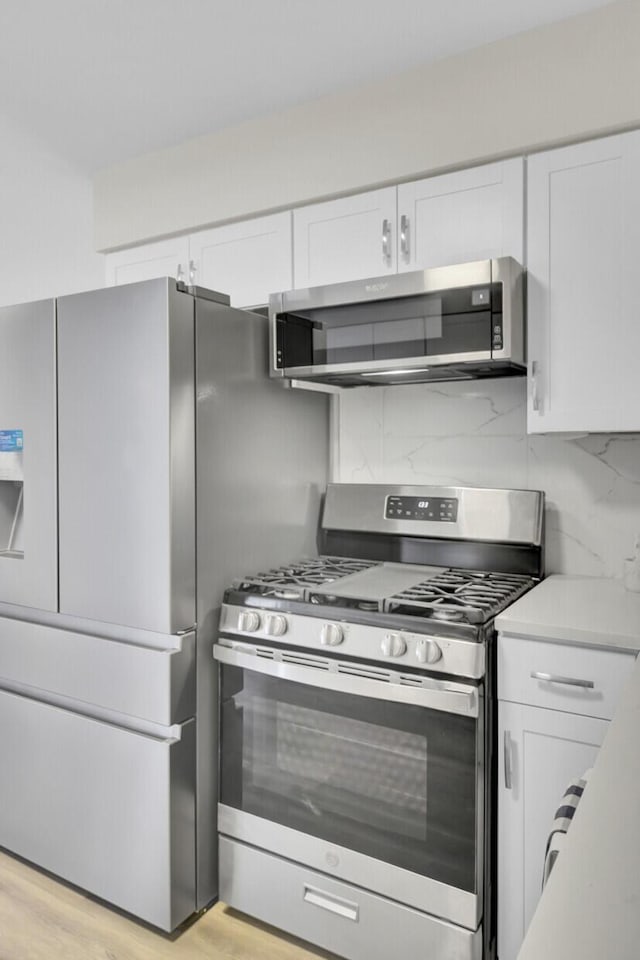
[{"x": 357, "y": 722}]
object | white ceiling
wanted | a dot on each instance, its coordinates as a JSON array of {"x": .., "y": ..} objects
[{"x": 104, "y": 80}]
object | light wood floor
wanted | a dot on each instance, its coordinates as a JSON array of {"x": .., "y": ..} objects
[{"x": 43, "y": 919}]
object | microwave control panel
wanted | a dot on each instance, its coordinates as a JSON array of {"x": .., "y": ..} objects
[{"x": 417, "y": 508}]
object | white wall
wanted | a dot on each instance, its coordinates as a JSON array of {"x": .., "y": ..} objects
[
  {"x": 46, "y": 223},
  {"x": 569, "y": 80},
  {"x": 475, "y": 434}
]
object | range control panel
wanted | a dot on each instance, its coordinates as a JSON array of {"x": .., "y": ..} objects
[{"x": 416, "y": 508}]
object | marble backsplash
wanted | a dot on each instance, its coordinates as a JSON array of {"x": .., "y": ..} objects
[{"x": 475, "y": 434}]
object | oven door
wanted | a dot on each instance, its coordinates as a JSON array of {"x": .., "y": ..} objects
[{"x": 371, "y": 775}]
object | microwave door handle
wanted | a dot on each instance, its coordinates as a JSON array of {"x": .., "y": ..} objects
[{"x": 438, "y": 695}]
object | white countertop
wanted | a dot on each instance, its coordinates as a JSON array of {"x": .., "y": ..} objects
[
  {"x": 583, "y": 610},
  {"x": 590, "y": 908}
]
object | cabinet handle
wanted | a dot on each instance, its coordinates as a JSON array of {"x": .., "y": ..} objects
[
  {"x": 568, "y": 681},
  {"x": 507, "y": 760},
  {"x": 404, "y": 236},
  {"x": 535, "y": 385},
  {"x": 180, "y": 273},
  {"x": 386, "y": 242},
  {"x": 192, "y": 272}
]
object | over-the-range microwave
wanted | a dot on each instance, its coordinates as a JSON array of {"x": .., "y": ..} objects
[{"x": 447, "y": 323}]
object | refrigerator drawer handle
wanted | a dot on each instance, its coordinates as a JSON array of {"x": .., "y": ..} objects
[{"x": 327, "y": 901}]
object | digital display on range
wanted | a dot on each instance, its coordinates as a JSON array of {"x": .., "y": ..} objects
[{"x": 442, "y": 509}]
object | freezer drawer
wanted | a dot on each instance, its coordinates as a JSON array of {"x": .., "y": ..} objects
[
  {"x": 152, "y": 683},
  {"x": 105, "y": 808},
  {"x": 28, "y": 493}
]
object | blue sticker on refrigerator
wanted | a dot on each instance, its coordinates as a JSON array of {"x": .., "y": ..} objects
[{"x": 11, "y": 441}]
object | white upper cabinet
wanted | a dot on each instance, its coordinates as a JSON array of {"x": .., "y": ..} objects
[
  {"x": 163, "y": 258},
  {"x": 474, "y": 214},
  {"x": 583, "y": 307},
  {"x": 346, "y": 239},
  {"x": 247, "y": 260}
]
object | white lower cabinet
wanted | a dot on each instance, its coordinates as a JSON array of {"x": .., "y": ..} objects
[
  {"x": 541, "y": 751},
  {"x": 555, "y": 703}
]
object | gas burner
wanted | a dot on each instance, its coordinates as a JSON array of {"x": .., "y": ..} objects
[
  {"x": 443, "y": 613},
  {"x": 367, "y": 605},
  {"x": 288, "y": 594},
  {"x": 303, "y": 574}
]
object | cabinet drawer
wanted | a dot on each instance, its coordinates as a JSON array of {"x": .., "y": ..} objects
[
  {"x": 583, "y": 680},
  {"x": 108, "y": 809}
]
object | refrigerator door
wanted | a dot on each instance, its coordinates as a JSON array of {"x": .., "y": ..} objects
[
  {"x": 28, "y": 508},
  {"x": 127, "y": 455}
]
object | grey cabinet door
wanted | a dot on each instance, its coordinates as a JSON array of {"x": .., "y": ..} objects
[
  {"x": 127, "y": 455},
  {"x": 28, "y": 504}
]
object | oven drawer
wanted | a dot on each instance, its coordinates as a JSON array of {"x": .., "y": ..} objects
[
  {"x": 566, "y": 677},
  {"x": 336, "y": 916}
]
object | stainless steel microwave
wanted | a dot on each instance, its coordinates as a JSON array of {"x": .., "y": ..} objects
[{"x": 447, "y": 323}]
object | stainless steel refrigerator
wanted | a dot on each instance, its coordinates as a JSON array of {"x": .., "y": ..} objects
[{"x": 146, "y": 459}]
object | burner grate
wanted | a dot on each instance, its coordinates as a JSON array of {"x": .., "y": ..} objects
[
  {"x": 290, "y": 581},
  {"x": 460, "y": 595}
]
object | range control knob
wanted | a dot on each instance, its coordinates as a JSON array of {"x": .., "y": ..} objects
[
  {"x": 275, "y": 625},
  {"x": 427, "y": 651},
  {"x": 331, "y": 635},
  {"x": 393, "y": 645},
  {"x": 249, "y": 621}
]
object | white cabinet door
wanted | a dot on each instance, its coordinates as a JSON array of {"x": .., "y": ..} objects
[
  {"x": 583, "y": 313},
  {"x": 164, "y": 258},
  {"x": 346, "y": 239},
  {"x": 248, "y": 260},
  {"x": 541, "y": 751},
  {"x": 474, "y": 214}
]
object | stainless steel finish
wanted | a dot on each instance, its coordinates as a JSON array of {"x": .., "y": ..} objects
[
  {"x": 342, "y": 863},
  {"x": 70, "y": 810},
  {"x": 152, "y": 682},
  {"x": 347, "y": 677},
  {"x": 506, "y": 516},
  {"x": 245, "y": 516},
  {"x": 328, "y": 901},
  {"x": 395, "y": 286},
  {"x": 29, "y": 553},
  {"x": 509, "y": 273},
  {"x": 386, "y": 242},
  {"x": 567, "y": 681},
  {"x": 404, "y": 237},
  {"x": 115, "y": 435},
  {"x": 463, "y": 658},
  {"x": 192, "y": 273},
  {"x": 385, "y": 288},
  {"x": 535, "y": 385},
  {"x": 506, "y": 747},
  {"x": 331, "y": 634},
  {"x": 116, "y": 688}
]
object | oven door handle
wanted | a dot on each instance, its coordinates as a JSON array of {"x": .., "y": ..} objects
[{"x": 345, "y": 678}]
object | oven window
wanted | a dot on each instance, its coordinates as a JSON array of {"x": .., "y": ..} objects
[{"x": 393, "y": 781}]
